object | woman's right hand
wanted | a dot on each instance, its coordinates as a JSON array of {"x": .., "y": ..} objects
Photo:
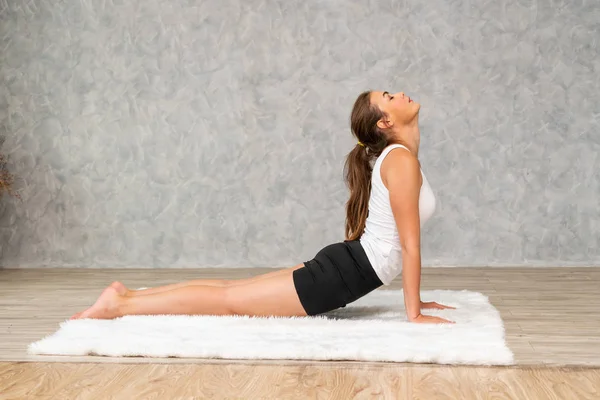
[{"x": 430, "y": 319}]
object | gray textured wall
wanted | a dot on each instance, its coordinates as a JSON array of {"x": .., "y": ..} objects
[{"x": 213, "y": 133}]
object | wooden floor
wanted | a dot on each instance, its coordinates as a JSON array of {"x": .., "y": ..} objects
[{"x": 551, "y": 316}]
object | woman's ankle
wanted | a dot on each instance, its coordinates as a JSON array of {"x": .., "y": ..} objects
[{"x": 123, "y": 306}]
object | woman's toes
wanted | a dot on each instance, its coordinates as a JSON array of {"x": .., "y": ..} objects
[{"x": 76, "y": 316}]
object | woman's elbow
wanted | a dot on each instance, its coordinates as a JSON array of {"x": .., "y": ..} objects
[{"x": 411, "y": 249}]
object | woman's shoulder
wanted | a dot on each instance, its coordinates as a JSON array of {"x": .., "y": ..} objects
[{"x": 399, "y": 164}]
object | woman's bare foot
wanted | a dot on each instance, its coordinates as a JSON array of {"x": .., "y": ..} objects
[
  {"x": 76, "y": 316},
  {"x": 106, "y": 307},
  {"x": 120, "y": 288}
]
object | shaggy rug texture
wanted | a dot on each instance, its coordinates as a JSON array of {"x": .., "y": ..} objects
[{"x": 374, "y": 328}]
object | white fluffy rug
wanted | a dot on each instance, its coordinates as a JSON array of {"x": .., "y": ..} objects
[{"x": 374, "y": 328}]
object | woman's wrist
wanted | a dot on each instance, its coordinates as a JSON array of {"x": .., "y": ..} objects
[
  {"x": 413, "y": 307},
  {"x": 412, "y": 318},
  {"x": 413, "y": 311}
]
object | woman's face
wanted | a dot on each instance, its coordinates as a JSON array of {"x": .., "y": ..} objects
[{"x": 399, "y": 108}]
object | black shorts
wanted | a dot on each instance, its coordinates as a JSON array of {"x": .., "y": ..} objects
[{"x": 338, "y": 275}]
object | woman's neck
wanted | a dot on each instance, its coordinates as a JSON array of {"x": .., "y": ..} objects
[{"x": 410, "y": 136}]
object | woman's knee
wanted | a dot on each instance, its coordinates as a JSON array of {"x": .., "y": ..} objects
[{"x": 230, "y": 299}]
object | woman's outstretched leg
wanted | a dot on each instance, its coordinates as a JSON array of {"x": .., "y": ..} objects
[
  {"x": 274, "y": 296},
  {"x": 123, "y": 290},
  {"x": 184, "y": 300}
]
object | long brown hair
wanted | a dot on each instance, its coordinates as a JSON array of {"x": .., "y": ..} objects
[{"x": 358, "y": 169}]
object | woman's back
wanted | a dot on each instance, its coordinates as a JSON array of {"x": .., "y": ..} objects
[{"x": 380, "y": 238}]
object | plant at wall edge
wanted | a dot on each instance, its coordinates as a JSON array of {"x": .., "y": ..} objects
[{"x": 7, "y": 180}]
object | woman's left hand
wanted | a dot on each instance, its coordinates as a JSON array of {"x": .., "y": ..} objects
[{"x": 433, "y": 304}]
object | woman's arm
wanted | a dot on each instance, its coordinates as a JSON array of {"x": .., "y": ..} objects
[{"x": 403, "y": 177}]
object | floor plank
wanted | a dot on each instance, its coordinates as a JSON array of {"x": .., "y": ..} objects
[{"x": 323, "y": 381}]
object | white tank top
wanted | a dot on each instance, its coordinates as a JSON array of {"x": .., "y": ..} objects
[{"x": 380, "y": 239}]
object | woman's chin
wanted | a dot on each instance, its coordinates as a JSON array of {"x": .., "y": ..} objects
[{"x": 416, "y": 107}]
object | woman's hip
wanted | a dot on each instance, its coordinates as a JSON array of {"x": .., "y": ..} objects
[{"x": 339, "y": 274}]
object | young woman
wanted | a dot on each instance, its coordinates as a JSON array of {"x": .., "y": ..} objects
[{"x": 389, "y": 200}]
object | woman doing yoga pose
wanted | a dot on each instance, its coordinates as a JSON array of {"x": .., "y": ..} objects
[{"x": 389, "y": 200}]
